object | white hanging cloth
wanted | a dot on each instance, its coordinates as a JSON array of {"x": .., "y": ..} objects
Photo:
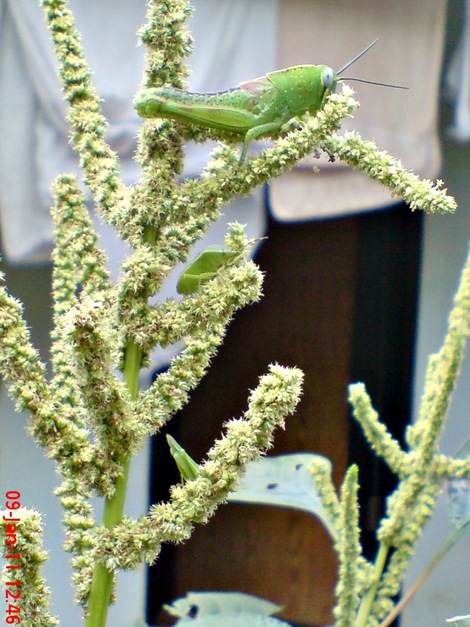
[
  {"x": 234, "y": 41},
  {"x": 403, "y": 122}
]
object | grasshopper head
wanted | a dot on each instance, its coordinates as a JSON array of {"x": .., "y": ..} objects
[
  {"x": 322, "y": 82},
  {"x": 325, "y": 84}
]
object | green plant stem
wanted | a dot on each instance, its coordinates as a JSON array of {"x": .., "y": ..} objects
[
  {"x": 367, "y": 601},
  {"x": 102, "y": 581}
]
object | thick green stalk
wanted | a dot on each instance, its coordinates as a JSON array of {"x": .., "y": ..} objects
[
  {"x": 102, "y": 581},
  {"x": 367, "y": 601}
]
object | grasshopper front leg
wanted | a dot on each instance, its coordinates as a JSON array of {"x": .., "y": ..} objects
[{"x": 253, "y": 133}]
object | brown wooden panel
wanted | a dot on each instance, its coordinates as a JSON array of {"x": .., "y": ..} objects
[{"x": 304, "y": 319}]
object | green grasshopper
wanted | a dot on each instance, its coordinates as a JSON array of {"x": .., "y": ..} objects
[{"x": 253, "y": 109}]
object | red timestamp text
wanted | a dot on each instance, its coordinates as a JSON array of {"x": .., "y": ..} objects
[{"x": 13, "y": 557}]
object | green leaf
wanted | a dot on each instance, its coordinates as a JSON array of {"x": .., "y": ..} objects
[
  {"x": 460, "y": 621},
  {"x": 243, "y": 619},
  {"x": 224, "y": 609},
  {"x": 186, "y": 465},
  {"x": 284, "y": 481}
]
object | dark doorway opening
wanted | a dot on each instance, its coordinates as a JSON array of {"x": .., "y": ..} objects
[{"x": 340, "y": 302}]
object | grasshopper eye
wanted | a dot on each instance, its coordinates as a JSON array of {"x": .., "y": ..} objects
[{"x": 328, "y": 77}]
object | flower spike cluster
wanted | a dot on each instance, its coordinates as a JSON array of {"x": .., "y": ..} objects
[
  {"x": 89, "y": 414},
  {"x": 29, "y": 586},
  {"x": 420, "y": 471}
]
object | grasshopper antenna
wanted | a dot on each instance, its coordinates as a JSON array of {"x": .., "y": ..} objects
[
  {"x": 363, "y": 80},
  {"x": 356, "y": 58}
]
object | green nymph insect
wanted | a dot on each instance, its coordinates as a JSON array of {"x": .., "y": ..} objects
[
  {"x": 255, "y": 108},
  {"x": 204, "y": 268}
]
